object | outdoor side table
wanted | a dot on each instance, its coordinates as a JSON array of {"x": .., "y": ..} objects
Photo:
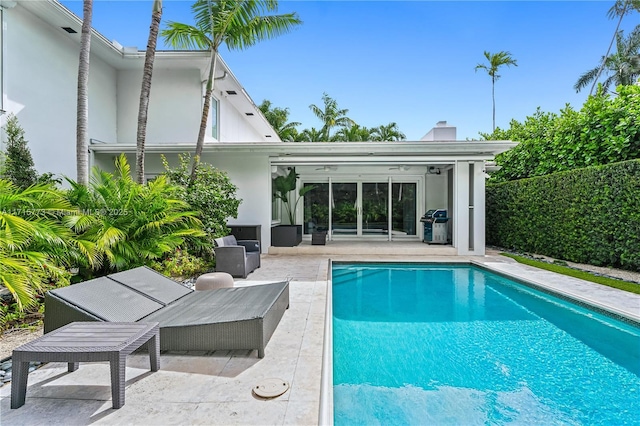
[{"x": 87, "y": 342}]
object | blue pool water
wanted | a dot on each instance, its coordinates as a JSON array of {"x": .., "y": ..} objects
[{"x": 446, "y": 344}]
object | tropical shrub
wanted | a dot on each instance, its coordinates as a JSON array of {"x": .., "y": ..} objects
[
  {"x": 181, "y": 264},
  {"x": 282, "y": 187},
  {"x": 605, "y": 130},
  {"x": 212, "y": 193},
  {"x": 35, "y": 245},
  {"x": 589, "y": 215},
  {"x": 128, "y": 224}
]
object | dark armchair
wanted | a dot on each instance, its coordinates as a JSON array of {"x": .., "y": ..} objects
[{"x": 238, "y": 258}]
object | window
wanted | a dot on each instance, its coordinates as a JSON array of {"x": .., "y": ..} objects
[{"x": 215, "y": 118}]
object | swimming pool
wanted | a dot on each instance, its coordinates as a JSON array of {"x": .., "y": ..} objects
[{"x": 456, "y": 344}]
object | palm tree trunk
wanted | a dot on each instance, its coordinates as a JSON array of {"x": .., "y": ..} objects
[
  {"x": 493, "y": 98},
  {"x": 604, "y": 58},
  {"x": 205, "y": 115},
  {"x": 145, "y": 91},
  {"x": 82, "y": 123}
]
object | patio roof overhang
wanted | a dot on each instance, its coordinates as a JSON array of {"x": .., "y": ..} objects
[{"x": 292, "y": 153}]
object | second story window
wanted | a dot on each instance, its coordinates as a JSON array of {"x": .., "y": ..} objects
[{"x": 215, "y": 118}]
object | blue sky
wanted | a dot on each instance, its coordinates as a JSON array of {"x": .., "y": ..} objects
[{"x": 409, "y": 62}]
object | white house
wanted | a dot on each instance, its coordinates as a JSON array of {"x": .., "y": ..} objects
[{"x": 363, "y": 190}]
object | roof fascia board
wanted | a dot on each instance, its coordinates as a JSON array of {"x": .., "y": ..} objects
[{"x": 331, "y": 149}]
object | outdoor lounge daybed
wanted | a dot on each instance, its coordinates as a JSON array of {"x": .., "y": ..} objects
[{"x": 225, "y": 318}]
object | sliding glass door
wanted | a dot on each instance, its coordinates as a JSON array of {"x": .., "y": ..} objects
[
  {"x": 375, "y": 208},
  {"x": 361, "y": 208},
  {"x": 344, "y": 209}
]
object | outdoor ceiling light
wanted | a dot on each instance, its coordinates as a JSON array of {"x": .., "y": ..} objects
[{"x": 434, "y": 170}]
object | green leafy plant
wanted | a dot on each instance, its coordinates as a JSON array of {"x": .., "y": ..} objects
[
  {"x": 212, "y": 193},
  {"x": 127, "y": 224},
  {"x": 34, "y": 243},
  {"x": 181, "y": 264},
  {"x": 605, "y": 130},
  {"x": 282, "y": 187},
  {"x": 589, "y": 215},
  {"x": 18, "y": 166}
]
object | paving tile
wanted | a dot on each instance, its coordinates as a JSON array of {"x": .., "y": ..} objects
[
  {"x": 52, "y": 411},
  {"x": 302, "y": 414},
  {"x": 254, "y": 412},
  {"x": 306, "y": 382}
]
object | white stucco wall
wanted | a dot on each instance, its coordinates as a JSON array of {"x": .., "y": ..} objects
[
  {"x": 40, "y": 80},
  {"x": 436, "y": 192},
  {"x": 252, "y": 175},
  {"x": 175, "y": 109},
  {"x": 174, "y": 106},
  {"x": 469, "y": 204},
  {"x": 233, "y": 124}
]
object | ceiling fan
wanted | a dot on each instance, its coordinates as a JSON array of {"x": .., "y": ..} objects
[{"x": 327, "y": 168}]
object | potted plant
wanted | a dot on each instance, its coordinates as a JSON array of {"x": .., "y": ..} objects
[{"x": 288, "y": 235}]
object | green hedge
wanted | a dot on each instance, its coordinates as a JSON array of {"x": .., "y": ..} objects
[{"x": 589, "y": 215}]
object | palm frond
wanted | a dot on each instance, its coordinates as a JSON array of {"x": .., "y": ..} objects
[
  {"x": 183, "y": 36},
  {"x": 585, "y": 79}
]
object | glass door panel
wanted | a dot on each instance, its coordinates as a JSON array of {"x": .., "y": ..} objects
[
  {"x": 344, "y": 210},
  {"x": 375, "y": 208},
  {"x": 403, "y": 207},
  {"x": 316, "y": 208}
]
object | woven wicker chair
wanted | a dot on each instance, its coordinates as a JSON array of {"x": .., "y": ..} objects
[
  {"x": 238, "y": 258},
  {"x": 226, "y": 318}
]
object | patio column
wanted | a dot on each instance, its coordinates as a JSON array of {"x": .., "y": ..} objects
[{"x": 469, "y": 217}]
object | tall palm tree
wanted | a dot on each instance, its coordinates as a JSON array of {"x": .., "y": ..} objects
[
  {"x": 620, "y": 9},
  {"x": 310, "y": 135},
  {"x": 354, "y": 133},
  {"x": 623, "y": 66},
  {"x": 330, "y": 116},
  {"x": 278, "y": 118},
  {"x": 145, "y": 91},
  {"x": 236, "y": 23},
  {"x": 82, "y": 124},
  {"x": 496, "y": 60},
  {"x": 390, "y": 132}
]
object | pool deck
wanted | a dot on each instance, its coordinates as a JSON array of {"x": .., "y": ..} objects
[{"x": 216, "y": 388}]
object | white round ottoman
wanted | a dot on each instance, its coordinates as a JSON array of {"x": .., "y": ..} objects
[{"x": 214, "y": 280}]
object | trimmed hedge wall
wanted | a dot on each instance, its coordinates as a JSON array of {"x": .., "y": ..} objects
[{"x": 589, "y": 215}]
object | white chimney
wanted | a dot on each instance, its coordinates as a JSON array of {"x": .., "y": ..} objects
[{"x": 441, "y": 132}]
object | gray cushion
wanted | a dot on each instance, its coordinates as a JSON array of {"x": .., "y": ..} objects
[
  {"x": 229, "y": 240},
  {"x": 152, "y": 284},
  {"x": 108, "y": 300}
]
